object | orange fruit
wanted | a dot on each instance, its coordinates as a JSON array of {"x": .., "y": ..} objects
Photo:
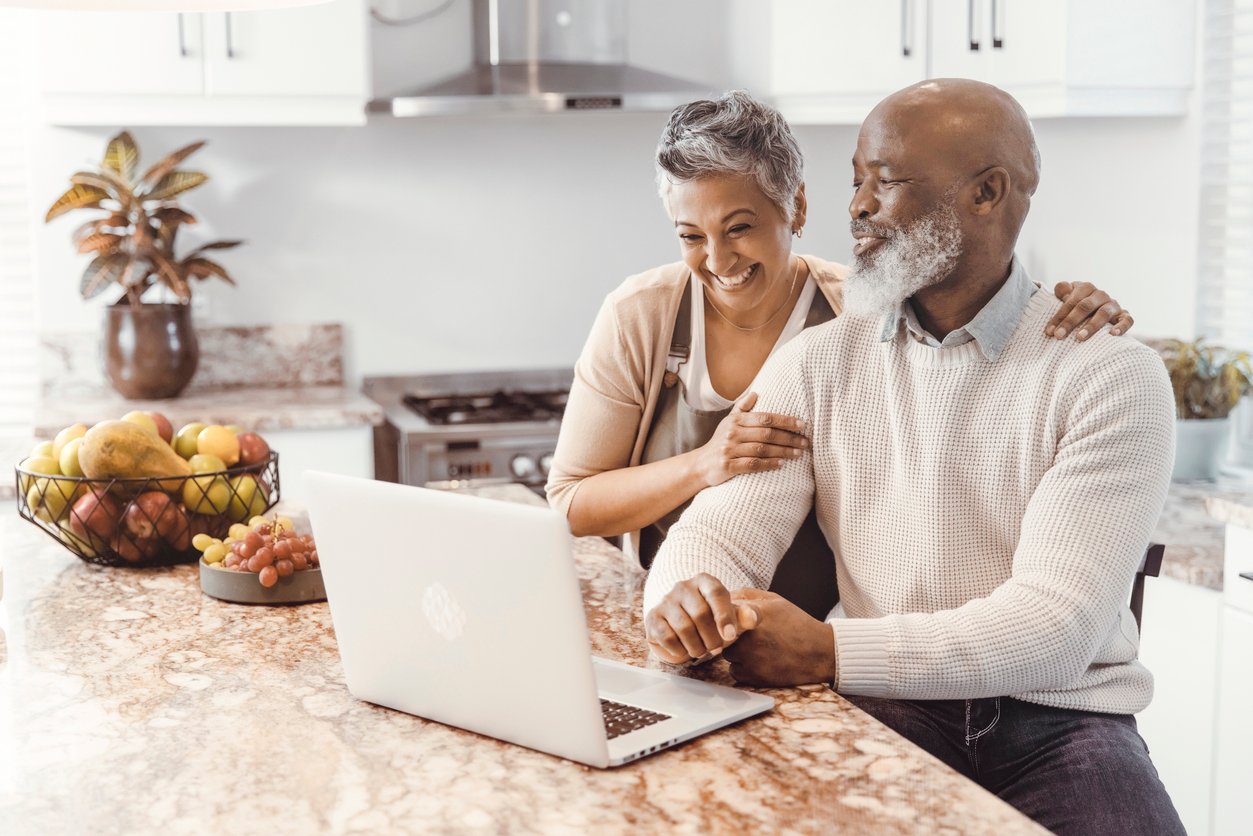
[{"x": 216, "y": 440}]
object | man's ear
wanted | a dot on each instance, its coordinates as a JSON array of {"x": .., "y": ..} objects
[{"x": 991, "y": 189}]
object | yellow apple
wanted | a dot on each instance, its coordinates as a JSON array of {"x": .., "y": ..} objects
[
  {"x": 142, "y": 419},
  {"x": 69, "y": 458},
  {"x": 205, "y": 463},
  {"x": 71, "y": 432},
  {"x": 49, "y": 498},
  {"x": 208, "y": 495},
  {"x": 45, "y": 465},
  {"x": 248, "y": 499},
  {"x": 185, "y": 440}
]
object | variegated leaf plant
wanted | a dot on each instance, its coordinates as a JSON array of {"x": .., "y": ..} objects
[{"x": 132, "y": 244}]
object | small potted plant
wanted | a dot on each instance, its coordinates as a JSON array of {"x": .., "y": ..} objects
[
  {"x": 1209, "y": 382},
  {"x": 150, "y": 348}
]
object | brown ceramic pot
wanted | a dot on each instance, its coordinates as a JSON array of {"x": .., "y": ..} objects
[{"x": 150, "y": 350}]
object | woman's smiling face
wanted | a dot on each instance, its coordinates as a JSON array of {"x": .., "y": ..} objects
[{"x": 735, "y": 241}]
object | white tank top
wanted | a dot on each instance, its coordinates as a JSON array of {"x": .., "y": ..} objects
[{"x": 700, "y": 392}]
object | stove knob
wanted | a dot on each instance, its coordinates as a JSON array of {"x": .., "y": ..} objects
[
  {"x": 545, "y": 463},
  {"x": 523, "y": 467}
]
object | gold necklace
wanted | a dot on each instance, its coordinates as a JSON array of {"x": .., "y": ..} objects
[{"x": 791, "y": 289}]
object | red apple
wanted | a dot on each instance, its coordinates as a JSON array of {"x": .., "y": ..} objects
[
  {"x": 133, "y": 549},
  {"x": 153, "y": 514},
  {"x": 94, "y": 517},
  {"x": 164, "y": 428},
  {"x": 253, "y": 449},
  {"x": 177, "y": 531}
]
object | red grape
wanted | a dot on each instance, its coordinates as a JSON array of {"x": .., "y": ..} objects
[
  {"x": 265, "y": 554},
  {"x": 299, "y": 562},
  {"x": 268, "y": 576},
  {"x": 284, "y": 568},
  {"x": 282, "y": 549},
  {"x": 254, "y": 539}
]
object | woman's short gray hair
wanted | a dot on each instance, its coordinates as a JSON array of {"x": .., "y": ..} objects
[{"x": 733, "y": 134}]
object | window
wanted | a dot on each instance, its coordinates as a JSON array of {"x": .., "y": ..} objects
[
  {"x": 1225, "y": 239},
  {"x": 18, "y": 375}
]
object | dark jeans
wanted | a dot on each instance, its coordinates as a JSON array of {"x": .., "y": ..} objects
[{"x": 1071, "y": 771}]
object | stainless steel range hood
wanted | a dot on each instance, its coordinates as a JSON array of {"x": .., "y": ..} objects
[{"x": 545, "y": 56}]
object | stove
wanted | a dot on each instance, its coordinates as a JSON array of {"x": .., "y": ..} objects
[
  {"x": 469, "y": 425},
  {"x": 497, "y": 407}
]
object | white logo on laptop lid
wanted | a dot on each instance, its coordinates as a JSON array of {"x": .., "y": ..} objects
[{"x": 442, "y": 612}]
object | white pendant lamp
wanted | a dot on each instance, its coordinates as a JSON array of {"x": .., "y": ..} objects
[{"x": 158, "y": 5}]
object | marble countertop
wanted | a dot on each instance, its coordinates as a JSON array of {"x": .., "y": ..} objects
[
  {"x": 132, "y": 703},
  {"x": 1232, "y": 509},
  {"x": 1192, "y": 527},
  {"x": 257, "y": 408}
]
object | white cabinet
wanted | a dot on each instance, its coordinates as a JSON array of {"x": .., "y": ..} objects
[
  {"x": 1233, "y": 740},
  {"x": 121, "y": 54},
  {"x": 301, "y": 66},
  {"x": 831, "y": 61},
  {"x": 1179, "y": 647},
  {"x": 1096, "y": 58},
  {"x": 1233, "y": 757}
]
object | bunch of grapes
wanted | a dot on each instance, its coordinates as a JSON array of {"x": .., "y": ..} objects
[{"x": 270, "y": 549}]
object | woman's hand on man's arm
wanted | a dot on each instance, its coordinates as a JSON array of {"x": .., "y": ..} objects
[
  {"x": 749, "y": 442},
  {"x": 1085, "y": 310}
]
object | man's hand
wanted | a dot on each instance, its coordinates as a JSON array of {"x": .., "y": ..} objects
[
  {"x": 787, "y": 647},
  {"x": 694, "y": 620}
]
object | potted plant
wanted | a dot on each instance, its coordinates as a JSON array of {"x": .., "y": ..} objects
[
  {"x": 150, "y": 348},
  {"x": 1209, "y": 382}
]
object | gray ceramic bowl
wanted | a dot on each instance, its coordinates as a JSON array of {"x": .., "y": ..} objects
[{"x": 244, "y": 588}]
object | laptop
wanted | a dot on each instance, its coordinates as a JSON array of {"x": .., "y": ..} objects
[{"x": 467, "y": 611}]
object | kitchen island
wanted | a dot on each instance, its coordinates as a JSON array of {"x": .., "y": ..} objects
[{"x": 132, "y": 703}]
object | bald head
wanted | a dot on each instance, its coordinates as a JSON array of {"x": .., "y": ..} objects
[{"x": 977, "y": 126}]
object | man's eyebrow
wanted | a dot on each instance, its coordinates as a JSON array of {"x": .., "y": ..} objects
[{"x": 725, "y": 218}]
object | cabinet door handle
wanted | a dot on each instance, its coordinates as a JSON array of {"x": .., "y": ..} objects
[
  {"x": 182, "y": 38},
  {"x": 907, "y": 27},
  {"x": 998, "y": 24},
  {"x": 230, "y": 41},
  {"x": 972, "y": 17}
]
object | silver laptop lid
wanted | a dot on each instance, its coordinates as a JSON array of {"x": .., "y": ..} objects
[{"x": 459, "y": 609}]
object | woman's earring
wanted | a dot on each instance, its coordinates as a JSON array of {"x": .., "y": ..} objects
[{"x": 799, "y": 232}]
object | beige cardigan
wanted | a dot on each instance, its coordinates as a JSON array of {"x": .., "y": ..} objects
[{"x": 617, "y": 379}]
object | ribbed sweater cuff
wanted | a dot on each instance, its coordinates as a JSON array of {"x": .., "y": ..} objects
[{"x": 861, "y": 656}]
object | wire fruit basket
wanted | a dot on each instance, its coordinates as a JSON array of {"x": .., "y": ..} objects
[{"x": 147, "y": 521}]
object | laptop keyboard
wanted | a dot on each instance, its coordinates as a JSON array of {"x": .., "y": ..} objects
[{"x": 620, "y": 718}]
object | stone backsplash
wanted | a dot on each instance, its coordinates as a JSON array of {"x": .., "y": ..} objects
[{"x": 280, "y": 356}]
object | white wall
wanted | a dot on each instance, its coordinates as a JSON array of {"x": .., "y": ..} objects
[{"x": 488, "y": 242}]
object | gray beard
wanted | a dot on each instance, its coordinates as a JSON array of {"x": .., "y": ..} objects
[{"x": 917, "y": 256}]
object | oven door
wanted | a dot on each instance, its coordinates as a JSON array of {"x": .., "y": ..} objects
[{"x": 521, "y": 455}]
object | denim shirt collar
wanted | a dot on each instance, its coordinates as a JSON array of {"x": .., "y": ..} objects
[{"x": 990, "y": 329}]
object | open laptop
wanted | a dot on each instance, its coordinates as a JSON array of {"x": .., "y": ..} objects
[{"x": 468, "y": 611}]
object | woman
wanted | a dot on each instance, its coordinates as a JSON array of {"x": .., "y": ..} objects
[{"x": 659, "y": 407}]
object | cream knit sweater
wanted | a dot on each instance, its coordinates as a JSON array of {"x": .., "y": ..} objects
[{"x": 987, "y": 518}]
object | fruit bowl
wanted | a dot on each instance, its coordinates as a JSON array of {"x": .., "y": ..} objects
[
  {"x": 242, "y": 587},
  {"x": 146, "y": 521}
]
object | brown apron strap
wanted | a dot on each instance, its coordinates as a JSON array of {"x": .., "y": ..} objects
[{"x": 681, "y": 340}]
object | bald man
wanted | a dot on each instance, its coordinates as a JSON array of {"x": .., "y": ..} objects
[{"x": 987, "y": 492}]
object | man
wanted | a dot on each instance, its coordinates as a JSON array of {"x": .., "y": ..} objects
[{"x": 987, "y": 492}]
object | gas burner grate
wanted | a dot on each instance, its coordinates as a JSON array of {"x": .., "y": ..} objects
[{"x": 496, "y": 407}]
